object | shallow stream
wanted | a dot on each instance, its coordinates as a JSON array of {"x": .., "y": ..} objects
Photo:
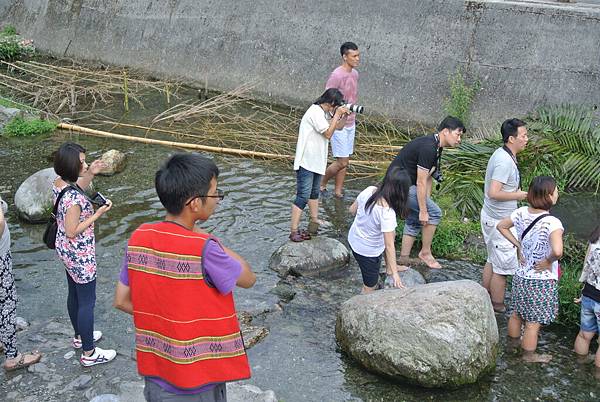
[{"x": 299, "y": 359}]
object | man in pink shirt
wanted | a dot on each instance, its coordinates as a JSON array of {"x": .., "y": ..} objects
[{"x": 344, "y": 78}]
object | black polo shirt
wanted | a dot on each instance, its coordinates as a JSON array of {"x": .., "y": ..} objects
[{"x": 422, "y": 151}]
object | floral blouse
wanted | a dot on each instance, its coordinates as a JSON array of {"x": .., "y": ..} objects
[
  {"x": 591, "y": 267},
  {"x": 78, "y": 254}
]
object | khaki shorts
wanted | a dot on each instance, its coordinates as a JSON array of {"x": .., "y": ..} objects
[{"x": 502, "y": 254}]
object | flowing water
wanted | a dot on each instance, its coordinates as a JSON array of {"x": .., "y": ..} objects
[{"x": 299, "y": 359}]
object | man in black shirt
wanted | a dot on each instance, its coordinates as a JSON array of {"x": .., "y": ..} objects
[{"x": 421, "y": 159}]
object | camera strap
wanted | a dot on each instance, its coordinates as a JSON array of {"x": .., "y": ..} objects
[{"x": 514, "y": 159}]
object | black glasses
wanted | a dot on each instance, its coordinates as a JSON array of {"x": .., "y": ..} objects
[{"x": 220, "y": 195}]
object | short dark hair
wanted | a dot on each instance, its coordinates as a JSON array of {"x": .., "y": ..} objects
[
  {"x": 347, "y": 46},
  {"x": 67, "y": 163},
  {"x": 451, "y": 123},
  {"x": 181, "y": 177},
  {"x": 333, "y": 96},
  {"x": 510, "y": 128},
  {"x": 540, "y": 190}
]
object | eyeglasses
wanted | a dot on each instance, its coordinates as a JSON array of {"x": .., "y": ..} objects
[{"x": 220, "y": 195}]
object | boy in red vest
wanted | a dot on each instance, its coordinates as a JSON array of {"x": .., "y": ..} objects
[{"x": 177, "y": 282}]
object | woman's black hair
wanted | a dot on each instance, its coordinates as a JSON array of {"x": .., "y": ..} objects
[
  {"x": 332, "y": 96},
  {"x": 67, "y": 163},
  {"x": 394, "y": 190},
  {"x": 595, "y": 234}
]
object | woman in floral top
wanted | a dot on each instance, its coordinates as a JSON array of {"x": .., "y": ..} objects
[
  {"x": 75, "y": 246},
  {"x": 534, "y": 296}
]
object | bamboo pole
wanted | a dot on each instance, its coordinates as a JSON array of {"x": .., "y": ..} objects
[
  {"x": 223, "y": 150},
  {"x": 239, "y": 152}
]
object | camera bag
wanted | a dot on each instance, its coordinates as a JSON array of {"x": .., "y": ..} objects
[{"x": 52, "y": 227}]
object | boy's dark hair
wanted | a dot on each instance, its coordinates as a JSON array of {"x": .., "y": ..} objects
[
  {"x": 347, "y": 46},
  {"x": 510, "y": 128},
  {"x": 394, "y": 190},
  {"x": 540, "y": 190},
  {"x": 595, "y": 234},
  {"x": 67, "y": 163},
  {"x": 332, "y": 96},
  {"x": 184, "y": 176},
  {"x": 451, "y": 123}
]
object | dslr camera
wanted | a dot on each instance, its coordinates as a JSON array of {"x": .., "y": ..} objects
[
  {"x": 98, "y": 199},
  {"x": 354, "y": 108}
]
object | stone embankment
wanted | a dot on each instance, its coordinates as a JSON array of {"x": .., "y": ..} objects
[{"x": 522, "y": 52}]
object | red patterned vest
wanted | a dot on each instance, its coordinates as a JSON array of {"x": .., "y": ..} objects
[{"x": 186, "y": 332}]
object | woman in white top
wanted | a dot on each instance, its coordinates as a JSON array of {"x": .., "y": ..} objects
[
  {"x": 316, "y": 127},
  {"x": 374, "y": 228},
  {"x": 534, "y": 296}
]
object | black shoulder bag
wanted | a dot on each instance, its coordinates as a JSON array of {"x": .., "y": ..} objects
[
  {"x": 532, "y": 224},
  {"x": 52, "y": 227}
]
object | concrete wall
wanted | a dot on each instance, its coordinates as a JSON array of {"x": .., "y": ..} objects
[{"x": 526, "y": 53}]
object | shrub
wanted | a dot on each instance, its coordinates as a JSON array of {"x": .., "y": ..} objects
[
  {"x": 12, "y": 46},
  {"x": 461, "y": 97},
  {"x": 20, "y": 127}
]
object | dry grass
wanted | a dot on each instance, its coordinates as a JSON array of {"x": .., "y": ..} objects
[{"x": 74, "y": 88}]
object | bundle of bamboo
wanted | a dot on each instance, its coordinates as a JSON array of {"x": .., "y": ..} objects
[{"x": 53, "y": 88}]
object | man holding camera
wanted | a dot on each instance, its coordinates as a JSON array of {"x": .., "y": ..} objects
[
  {"x": 421, "y": 159},
  {"x": 344, "y": 78},
  {"x": 501, "y": 193}
]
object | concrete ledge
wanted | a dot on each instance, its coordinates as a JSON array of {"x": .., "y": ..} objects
[{"x": 526, "y": 53}]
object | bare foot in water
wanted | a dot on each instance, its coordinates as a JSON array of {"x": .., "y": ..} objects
[
  {"x": 429, "y": 261},
  {"x": 532, "y": 357}
]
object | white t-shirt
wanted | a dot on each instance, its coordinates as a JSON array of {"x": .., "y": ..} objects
[
  {"x": 366, "y": 233},
  {"x": 502, "y": 168},
  {"x": 311, "y": 149},
  {"x": 536, "y": 244},
  {"x": 591, "y": 267}
]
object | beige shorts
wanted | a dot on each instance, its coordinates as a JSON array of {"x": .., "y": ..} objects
[{"x": 502, "y": 254}]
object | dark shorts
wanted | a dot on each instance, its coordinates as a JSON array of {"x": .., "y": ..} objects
[
  {"x": 154, "y": 393},
  {"x": 369, "y": 268}
]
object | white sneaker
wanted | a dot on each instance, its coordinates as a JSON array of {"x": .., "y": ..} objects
[
  {"x": 77, "y": 342},
  {"x": 98, "y": 357}
]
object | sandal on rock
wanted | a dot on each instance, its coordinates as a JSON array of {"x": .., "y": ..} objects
[
  {"x": 305, "y": 235},
  {"x": 313, "y": 228},
  {"x": 296, "y": 237},
  {"x": 21, "y": 363}
]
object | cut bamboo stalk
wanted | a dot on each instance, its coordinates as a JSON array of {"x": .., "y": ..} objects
[
  {"x": 231, "y": 151},
  {"x": 223, "y": 150}
]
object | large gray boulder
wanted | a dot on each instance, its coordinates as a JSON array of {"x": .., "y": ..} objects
[
  {"x": 438, "y": 335},
  {"x": 33, "y": 198},
  {"x": 310, "y": 257}
]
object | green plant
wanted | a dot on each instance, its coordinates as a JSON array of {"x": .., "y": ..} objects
[
  {"x": 569, "y": 286},
  {"x": 20, "y": 127},
  {"x": 12, "y": 46},
  {"x": 9, "y": 30},
  {"x": 459, "y": 103},
  {"x": 569, "y": 139}
]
